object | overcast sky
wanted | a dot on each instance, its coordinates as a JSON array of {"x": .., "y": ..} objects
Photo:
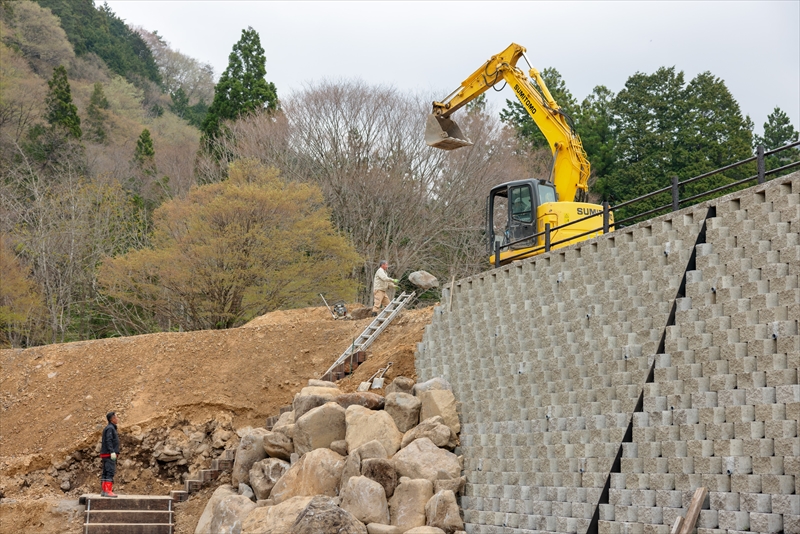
[{"x": 430, "y": 47}]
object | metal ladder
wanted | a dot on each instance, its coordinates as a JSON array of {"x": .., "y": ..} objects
[{"x": 374, "y": 329}]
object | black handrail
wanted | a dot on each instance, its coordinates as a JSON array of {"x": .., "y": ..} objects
[{"x": 674, "y": 188}]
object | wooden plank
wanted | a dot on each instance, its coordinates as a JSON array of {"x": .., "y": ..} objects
[
  {"x": 676, "y": 526},
  {"x": 694, "y": 510}
]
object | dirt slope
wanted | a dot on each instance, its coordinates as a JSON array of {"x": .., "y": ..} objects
[{"x": 53, "y": 399}]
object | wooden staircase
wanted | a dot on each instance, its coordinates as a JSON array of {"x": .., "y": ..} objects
[
  {"x": 128, "y": 514},
  {"x": 146, "y": 514},
  {"x": 205, "y": 476}
]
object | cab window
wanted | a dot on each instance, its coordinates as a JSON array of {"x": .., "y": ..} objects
[
  {"x": 547, "y": 193},
  {"x": 521, "y": 204}
]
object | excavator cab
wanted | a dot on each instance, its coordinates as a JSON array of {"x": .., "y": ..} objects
[{"x": 512, "y": 211}]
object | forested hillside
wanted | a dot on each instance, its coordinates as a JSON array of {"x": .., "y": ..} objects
[{"x": 139, "y": 196}]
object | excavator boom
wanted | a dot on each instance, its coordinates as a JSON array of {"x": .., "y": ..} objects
[{"x": 571, "y": 168}]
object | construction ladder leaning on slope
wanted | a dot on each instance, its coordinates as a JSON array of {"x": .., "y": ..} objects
[{"x": 374, "y": 329}]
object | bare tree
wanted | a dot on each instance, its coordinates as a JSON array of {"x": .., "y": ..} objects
[{"x": 394, "y": 196}]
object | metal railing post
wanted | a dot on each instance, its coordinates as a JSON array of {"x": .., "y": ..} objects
[
  {"x": 606, "y": 213},
  {"x": 496, "y": 254},
  {"x": 760, "y": 163},
  {"x": 547, "y": 237},
  {"x": 676, "y": 204}
]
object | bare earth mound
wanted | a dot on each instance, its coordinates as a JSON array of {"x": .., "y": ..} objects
[{"x": 54, "y": 398}]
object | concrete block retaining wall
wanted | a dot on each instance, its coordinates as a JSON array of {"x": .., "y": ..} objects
[{"x": 601, "y": 384}]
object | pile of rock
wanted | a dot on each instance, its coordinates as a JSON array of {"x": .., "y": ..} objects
[{"x": 347, "y": 463}]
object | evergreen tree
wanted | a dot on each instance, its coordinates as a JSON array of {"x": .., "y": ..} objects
[
  {"x": 99, "y": 31},
  {"x": 666, "y": 128},
  {"x": 516, "y": 115},
  {"x": 778, "y": 132},
  {"x": 595, "y": 124},
  {"x": 242, "y": 88},
  {"x": 61, "y": 112},
  {"x": 144, "y": 155},
  {"x": 96, "y": 112}
]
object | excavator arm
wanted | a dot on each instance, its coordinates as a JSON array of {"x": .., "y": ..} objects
[{"x": 570, "y": 167}]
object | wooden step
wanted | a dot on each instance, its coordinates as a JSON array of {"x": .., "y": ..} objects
[
  {"x": 193, "y": 485},
  {"x": 126, "y": 502},
  {"x": 179, "y": 495},
  {"x": 122, "y": 528},
  {"x": 133, "y": 517}
]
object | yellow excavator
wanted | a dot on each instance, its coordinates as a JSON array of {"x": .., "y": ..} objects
[{"x": 517, "y": 211}]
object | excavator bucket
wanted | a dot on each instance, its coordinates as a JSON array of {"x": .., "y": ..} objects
[{"x": 444, "y": 134}]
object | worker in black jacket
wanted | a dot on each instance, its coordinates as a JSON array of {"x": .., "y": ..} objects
[{"x": 109, "y": 450}]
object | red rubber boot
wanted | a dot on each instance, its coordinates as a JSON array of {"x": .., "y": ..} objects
[{"x": 107, "y": 490}]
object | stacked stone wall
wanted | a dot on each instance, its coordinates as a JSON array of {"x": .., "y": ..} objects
[{"x": 601, "y": 384}]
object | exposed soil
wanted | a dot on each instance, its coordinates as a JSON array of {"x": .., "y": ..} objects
[{"x": 53, "y": 401}]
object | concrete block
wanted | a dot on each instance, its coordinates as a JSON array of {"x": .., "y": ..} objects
[
  {"x": 708, "y": 519},
  {"x": 746, "y": 483},
  {"x": 724, "y": 501},
  {"x": 734, "y": 520},
  {"x": 768, "y": 465},
  {"x": 758, "y": 447},
  {"x": 786, "y": 504},
  {"x": 791, "y": 524},
  {"x": 749, "y": 430},
  {"x": 755, "y": 502},
  {"x": 766, "y": 523},
  {"x": 778, "y": 484},
  {"x": 662, "y": 481}
]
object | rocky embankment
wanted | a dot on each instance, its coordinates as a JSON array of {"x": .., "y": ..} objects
[{"x": 347, "y": 463}]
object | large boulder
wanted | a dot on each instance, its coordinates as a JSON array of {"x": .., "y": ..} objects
[
  {"x": 229, "y": 514},
  {"x": 372, "y": 449},
  {"x": 442, "y": 512},
  {"x": 366, "y": 399},
  {"x": 315, "y": 473},
  {"x": 204, "y": 523},
  {"x": 423, "y": 280},
  {"x": 352, "y": 468},
  {"x": 365, "y": 425},
  {"x": 425, "y": 530},
  {"x": 433, "y": 384},
  {"x": 440, "y": 402},
  {"x": 404, "y": 409},
  {"x": 400, "y": 384},
  {"x": 310, "y": 397},
  {"x": 378, "y": 528},
  {"x": 435, "y": 430},
  {"x": 423, "y": 459},
  {"x": 322, "y": 516},
  {"x": 286, "y": 418},
  {"x": 279, "y": 445},
  {"x": 381, "y": 471},
  {"x": 456, "y": 485},
  {"x": 407, "y": 505},
  {"x": 264, "y": 474},
  {"x": 277, "y": 519},
  {"x": 319, "y": 427},
  {"x": 249, "y": 451},
  {"x": 366, "y": 500}
]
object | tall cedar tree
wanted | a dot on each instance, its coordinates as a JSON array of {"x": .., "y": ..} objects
[
  {"x": 242, "y": 88},
  {"x": 778, "y": 132},
  {"x": 144, "y": 155},
  {"x": 96, "y": 114},
  {"x": 61, "y": 112}
]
